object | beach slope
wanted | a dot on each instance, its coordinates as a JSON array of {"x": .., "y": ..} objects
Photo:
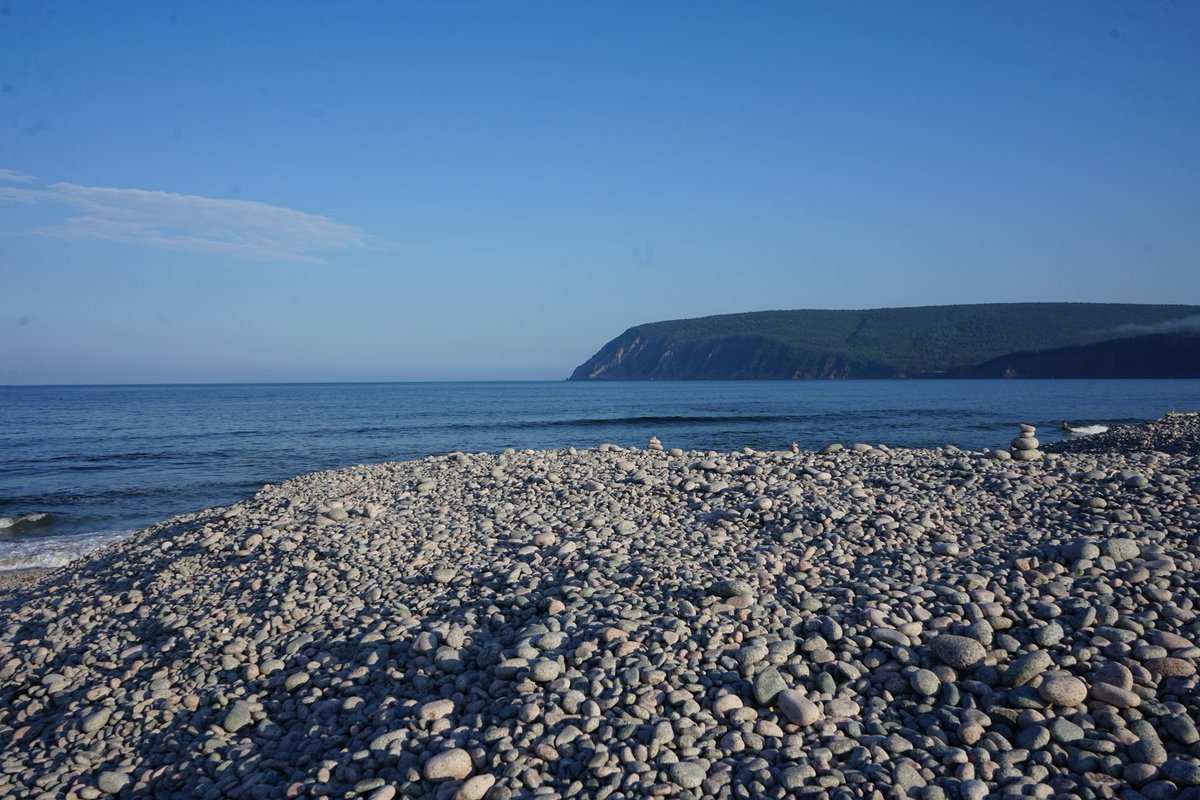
[{"x": 628, "y": 623}]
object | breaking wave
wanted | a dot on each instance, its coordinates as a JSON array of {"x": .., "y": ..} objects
[
  {"x": 54, "y": 551},
  {"x": 9, "y": 523},
  {"x": 1088, "y": 430}
]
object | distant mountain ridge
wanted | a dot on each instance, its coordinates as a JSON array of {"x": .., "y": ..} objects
[{"x": 1036, "y": 339}]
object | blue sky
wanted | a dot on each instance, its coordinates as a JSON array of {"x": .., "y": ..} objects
[{"x": 397, "y": 191}]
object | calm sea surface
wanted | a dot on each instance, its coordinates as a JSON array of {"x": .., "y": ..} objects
[{"x": 98, "y": 461}]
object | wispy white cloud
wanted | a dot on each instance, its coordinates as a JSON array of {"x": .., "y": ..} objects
[
  {"x": 15, "y": 176},
  {"x": 239, "y": 228}
]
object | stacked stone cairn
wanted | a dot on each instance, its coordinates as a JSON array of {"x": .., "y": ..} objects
[
  {"x": 1025, "y": 446},
  {"x": 654, "y": 444}
]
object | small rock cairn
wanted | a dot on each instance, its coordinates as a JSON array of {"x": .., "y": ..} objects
[
  {"x": 1025, "y": 446},
  {"x": 654, "y": 444}
]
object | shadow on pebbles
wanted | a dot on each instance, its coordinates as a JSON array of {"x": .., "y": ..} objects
[{"x": 631, "y": 623}]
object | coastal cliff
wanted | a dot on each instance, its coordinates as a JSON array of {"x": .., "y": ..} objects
[{"x": 990, "y": 340}]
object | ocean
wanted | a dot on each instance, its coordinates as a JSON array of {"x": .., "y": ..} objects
[{"x": 83, "y": 466}]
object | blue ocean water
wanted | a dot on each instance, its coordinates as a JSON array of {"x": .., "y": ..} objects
[{"x": 80, "y": 465}]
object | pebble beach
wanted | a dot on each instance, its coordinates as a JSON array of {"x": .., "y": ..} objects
[{"x": 858, "y": 622}]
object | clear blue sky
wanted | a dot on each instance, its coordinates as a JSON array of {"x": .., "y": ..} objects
[{"x": 392, "y": 191}]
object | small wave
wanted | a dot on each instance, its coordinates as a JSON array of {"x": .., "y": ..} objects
[
  {"x": 7, "y": 523},
  {"x": 597, "y": 422},
  {"x": 54, "y": 551},
  {"x": 1088, "y": 430}
]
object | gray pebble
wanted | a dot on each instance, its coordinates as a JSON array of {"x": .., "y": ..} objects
[
  {"x": 544, "y": 670},
  {"x": 1064, "y": 731},
  {"x": 111, "y": 782},
  {"x": 734, "y": 588},
  {"x": 959, "y": 652},
  {"x": 95, "y": 720},
  {"x": 448, "y": 765},
  {"x": 238, "y": 717},
  {"x": 768, "y": 683},
  {"x": 1183, "y": 772},
  {"x": 1027, "y": 667},
  {"x": 687, "y": 774}
]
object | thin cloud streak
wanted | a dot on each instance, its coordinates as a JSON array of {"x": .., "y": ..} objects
[
  {"x": 15, "y": 176},
  {"x": 244, "y": 229}
]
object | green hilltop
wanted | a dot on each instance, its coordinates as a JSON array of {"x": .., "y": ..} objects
[{"x": 873, "y": 343}]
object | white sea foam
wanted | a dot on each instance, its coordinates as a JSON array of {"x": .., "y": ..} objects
[
  {"x": 1089, "y": 430},
  {"x": 54, "y": 551}
]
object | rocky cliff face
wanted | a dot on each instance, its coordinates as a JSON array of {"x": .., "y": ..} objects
[{"x": 636, "y": 355}]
